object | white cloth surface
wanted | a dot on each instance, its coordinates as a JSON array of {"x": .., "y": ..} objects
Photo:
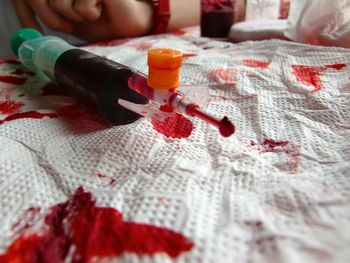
[{"x": 237, "y": 199}]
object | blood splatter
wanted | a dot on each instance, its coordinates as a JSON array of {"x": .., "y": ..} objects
[
  {"x": 166, "y": 108},
  {"x": 336, "y": 66},
  {"x": 20, "y": 71},
  {"x": 308, "y": 75},
  {"x": 112, "y": 180},
  {"x": 9, "y": 61},
  {"x": 223, "y": 75},
  {"x": 218, "y": 98},
  {"x": 29, "y": 114},
  {"x": 8, "y": 107},
  {"x": 290, "y": 149},
  {"x": 13, "y": 80},
  {"x": 26, "y": 220},
  {"x": 94, "y": 232},
  {"x": 270, "y": 145},
  {"x": 110, "y": 43},
  {"x": 188, "y": 55},
  {"x": 141, "y": 46},
  {"x": 311, "y": 76},
  {"x": 175, "y": 126},
  {"x": 256, "y": 63}
]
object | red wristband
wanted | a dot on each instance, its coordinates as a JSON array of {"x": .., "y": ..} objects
[{"x": 161, "y": 15}]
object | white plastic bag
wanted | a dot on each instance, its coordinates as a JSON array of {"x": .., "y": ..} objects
[{"x": 320, "y": 22}]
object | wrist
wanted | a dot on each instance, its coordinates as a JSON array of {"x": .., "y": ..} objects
[
  {"x": 161, "y": 15},
  {"x": 144, "y": 22}
]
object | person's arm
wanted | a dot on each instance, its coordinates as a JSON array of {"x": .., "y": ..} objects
[
  {"x": 137, "y": 19},
  {"x": 184, "y": 13},
  {"x": 103, "y": 19}
]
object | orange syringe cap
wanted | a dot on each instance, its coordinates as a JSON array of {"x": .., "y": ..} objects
[{"x": 164, "y": 68}]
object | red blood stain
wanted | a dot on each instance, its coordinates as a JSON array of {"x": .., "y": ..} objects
[
  {"x": 336, "y": 66},
  {"x": 223, "y": 75},
  {"x": 218, "y": 98},
  {"x": 270, "y": 145},
  {"x": 175, "y": 126},
  {"x": 8, "y": 107},
  {"x": 256, "y": 63},
  {"x": 166, "y": 108},
  {"x": 141, "y": 46},
  {"x": 12, "y": 80},
  {"x": 95, "y": 232},
  {"x": 110, "y": 43},
  {"x": 20, "y": 71},
  {"x": 73, "y": 111},
  {"x": 53, "y": 89},
  {"x": 26, "y": 220},
  {"x": 290, "y": 149},
  {"x": 311, "y": 76},
  {"x": 28, "y": 114},
  {"x": 70, "y": 111},
  {"x": 188, "y": 55},
  {"x": 9, "y": 61},
  {"x": 112, "y": 181}
]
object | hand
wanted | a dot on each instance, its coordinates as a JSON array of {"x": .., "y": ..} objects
[
  {"x": 90, "y": 19},
  {"x": 119, "y": 18},
  {"x": 58, "y": 15}
]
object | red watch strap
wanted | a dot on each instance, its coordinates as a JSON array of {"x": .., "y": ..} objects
[{"x": 161, "y": 15}]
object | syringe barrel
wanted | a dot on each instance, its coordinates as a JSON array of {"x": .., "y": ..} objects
[{"x": 94, "y": 79}]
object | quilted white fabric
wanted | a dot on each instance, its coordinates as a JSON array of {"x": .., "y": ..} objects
[{"x": 278, "y": 190}]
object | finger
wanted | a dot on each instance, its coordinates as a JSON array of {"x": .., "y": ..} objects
[
  {"x": 65, "y": 9},
  {"x": 89, "y": 9},
  {"x": 25, "y": 15},
  {"x": 53, "y": 20}
]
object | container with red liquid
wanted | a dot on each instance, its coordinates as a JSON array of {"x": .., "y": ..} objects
[{"x": 217, "y": 17}]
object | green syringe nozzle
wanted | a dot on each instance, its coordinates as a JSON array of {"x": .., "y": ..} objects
[{"x": 22, "y": 35}]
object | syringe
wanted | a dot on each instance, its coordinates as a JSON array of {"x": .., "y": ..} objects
[{"x": 120, "y": 93}]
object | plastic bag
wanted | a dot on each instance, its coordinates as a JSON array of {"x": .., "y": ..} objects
[{"x": 320, "y": 22}]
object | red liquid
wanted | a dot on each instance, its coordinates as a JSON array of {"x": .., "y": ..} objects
[
  {"x": 175, "y": 126},
  {"x": 311, "y": 75},
  {"x": 10, "y": 107},
  {"x": 93, "y": 232},
  {"x": 12, "y": 80},
  {"x": 29, "y": 114},
  {"x": 256, "y": 63},
  {"x": 99, "y": 82},
  {"x": 224, "y": 125}
]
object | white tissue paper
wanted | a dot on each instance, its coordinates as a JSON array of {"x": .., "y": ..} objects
[{"x": 278, "y": 190}]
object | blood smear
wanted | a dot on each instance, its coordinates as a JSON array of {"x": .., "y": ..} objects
[
  {"x": 28, "y": 114},
  {"x": 9, "y": 107},
  {"x": 223, "y": 75},
  {"x": 311, "y": 76},
  {"x": 12, "y": 80},
  {"x": 256, "y": 63},
  {"x": 175, "y": 126},
  {"x": 95, "y": 232}
]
